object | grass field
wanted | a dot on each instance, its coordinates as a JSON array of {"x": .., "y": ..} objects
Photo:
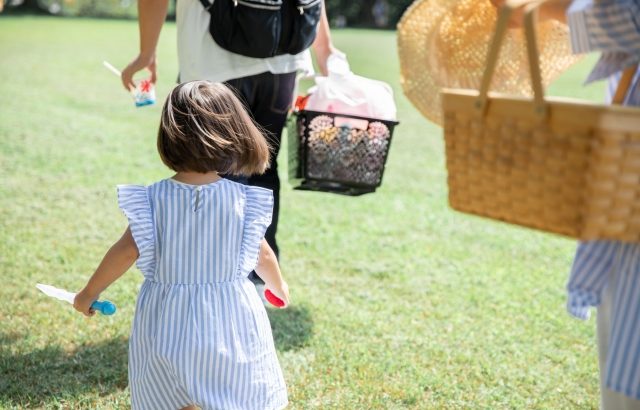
[{"x": 398, "y": 302}]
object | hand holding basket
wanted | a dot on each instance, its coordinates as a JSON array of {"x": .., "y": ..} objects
[{"x": 559, "y": 165}]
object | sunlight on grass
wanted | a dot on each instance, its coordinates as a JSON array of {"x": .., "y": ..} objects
[{"x": 398, "y": 302}]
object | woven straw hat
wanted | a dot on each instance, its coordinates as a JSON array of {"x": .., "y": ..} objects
[{"x": 444, "y": 44}]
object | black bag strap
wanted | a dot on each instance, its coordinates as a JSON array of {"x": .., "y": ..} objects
[{"x": 206, "y": 4}]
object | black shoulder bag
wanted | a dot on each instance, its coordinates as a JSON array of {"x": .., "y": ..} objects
[{"x": 263, "y": 28}]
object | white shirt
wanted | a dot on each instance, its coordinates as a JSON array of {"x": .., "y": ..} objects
[{"x": 200, "y": 58}]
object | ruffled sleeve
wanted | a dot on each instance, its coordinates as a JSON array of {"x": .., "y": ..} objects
[
  {"x": 258, "y": 210},
  {"x": 134, "y": 202}
]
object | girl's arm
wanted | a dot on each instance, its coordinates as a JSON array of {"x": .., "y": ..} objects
[
  {"x": 269, "y": 271},
  {"x": 115, "y": 263}
]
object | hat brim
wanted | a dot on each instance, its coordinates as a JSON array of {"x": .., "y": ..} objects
[{"x": 444, "y": 44}]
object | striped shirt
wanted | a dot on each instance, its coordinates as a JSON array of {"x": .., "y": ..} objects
[
  {"x": 611, "y": 27},
  {"x": 200, "y": 333}
]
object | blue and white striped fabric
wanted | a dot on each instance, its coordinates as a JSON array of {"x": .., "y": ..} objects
[
  {"x": 200, "y": 334},
  {"x": 608, "y": 26},
  {"x": 613, "y": 28}
]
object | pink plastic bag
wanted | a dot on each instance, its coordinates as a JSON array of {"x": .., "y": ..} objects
[{"x": 343, "y": 92}]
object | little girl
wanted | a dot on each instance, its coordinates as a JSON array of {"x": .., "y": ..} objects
[{"x": 201, "y": 336}]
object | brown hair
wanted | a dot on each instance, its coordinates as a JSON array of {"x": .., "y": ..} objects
[{"x": 204, "y": 127}]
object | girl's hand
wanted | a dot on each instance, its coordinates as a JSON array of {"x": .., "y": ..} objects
[
  {"x": 281, "y": 291},
  {"x": 139, "y": 63},
  {"x": 82, "y": 303}
]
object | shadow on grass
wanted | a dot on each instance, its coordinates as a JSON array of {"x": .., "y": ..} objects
[
  {"x": 50, "y": 374},
  {"x": 292, "y": 327},
  {"x": 43, "y": 375},
  {"x": 6, "y": 338}
]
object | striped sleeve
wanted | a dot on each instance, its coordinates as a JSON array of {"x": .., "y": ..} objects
[
  {"x": 607, "y": 26},
  {"x": 258, "y": 214},
  {"x": 589, "y": 276},
  {"x": 134, "y": 202}
]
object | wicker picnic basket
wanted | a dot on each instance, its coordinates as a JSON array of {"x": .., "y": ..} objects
[{"x": 558, "y": 165}]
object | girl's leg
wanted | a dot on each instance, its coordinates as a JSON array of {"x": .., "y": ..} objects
[{"x": 192, "y": 407}]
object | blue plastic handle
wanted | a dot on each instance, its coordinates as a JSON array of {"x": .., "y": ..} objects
[{"x": 104, "y": 306}]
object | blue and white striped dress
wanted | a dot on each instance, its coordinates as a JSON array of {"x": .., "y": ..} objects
[
  {"x": 613, "y": 28},
  {"x": 200, "y": 334}
]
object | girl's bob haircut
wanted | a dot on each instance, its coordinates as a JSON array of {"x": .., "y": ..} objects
[{"x": 205, "y": 127}]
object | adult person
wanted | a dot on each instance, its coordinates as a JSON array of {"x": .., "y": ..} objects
[
  {"x": 266, "y": 85},
  {"x": 606, "y": 274}
]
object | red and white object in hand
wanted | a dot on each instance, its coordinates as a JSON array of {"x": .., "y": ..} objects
[
  {"x": 273, "y": 299},
  {"x": 143, "y": 94}
]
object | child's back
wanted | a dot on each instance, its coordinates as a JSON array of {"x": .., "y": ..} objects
[{"x": 201, "y": 334}]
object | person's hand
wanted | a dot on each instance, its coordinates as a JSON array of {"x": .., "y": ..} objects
[
  {"x": 139, "y": 63},
  {"x": 516, "y": 19},
  {"x": 322, "y": 55},
  {"x": 281, "y": 291},
  {"x": 82, "y": 303},
  {"x": 553, "y": 9}
]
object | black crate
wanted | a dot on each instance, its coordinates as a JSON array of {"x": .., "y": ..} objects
[{"x": 343, "y": 154}]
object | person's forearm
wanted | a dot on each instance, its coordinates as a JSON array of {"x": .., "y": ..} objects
[
  {"x": 267, "y": 267},
  {"x": 115, "y": 263},
  {"x": 322, "y": 43},
  {"x": 549, "y": 10},
  {"x": 555, "y": 9},
  {"x": 151, "y": 16}
]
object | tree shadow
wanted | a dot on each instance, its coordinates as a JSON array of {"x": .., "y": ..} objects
[
  {"x": 292, "y": 327},
  {"x": 43, "y": 375}
]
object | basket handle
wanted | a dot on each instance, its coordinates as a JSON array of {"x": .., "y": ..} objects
[
  {"x": 624, "y": 84},
  {"x": 532, "y": 53},
  {"x": 533, "y": 58}
]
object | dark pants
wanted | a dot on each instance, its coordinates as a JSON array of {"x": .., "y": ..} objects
[{"x": 268, "y": 98}]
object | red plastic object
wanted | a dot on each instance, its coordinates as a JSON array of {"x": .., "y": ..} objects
[
  {"x": 145, "y": 86},
  {"x": 301, "y": 102},
  {"x": 273, "y": 299}
]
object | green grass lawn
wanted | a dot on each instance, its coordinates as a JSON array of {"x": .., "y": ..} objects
[{"x": 398, "y": 302}]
